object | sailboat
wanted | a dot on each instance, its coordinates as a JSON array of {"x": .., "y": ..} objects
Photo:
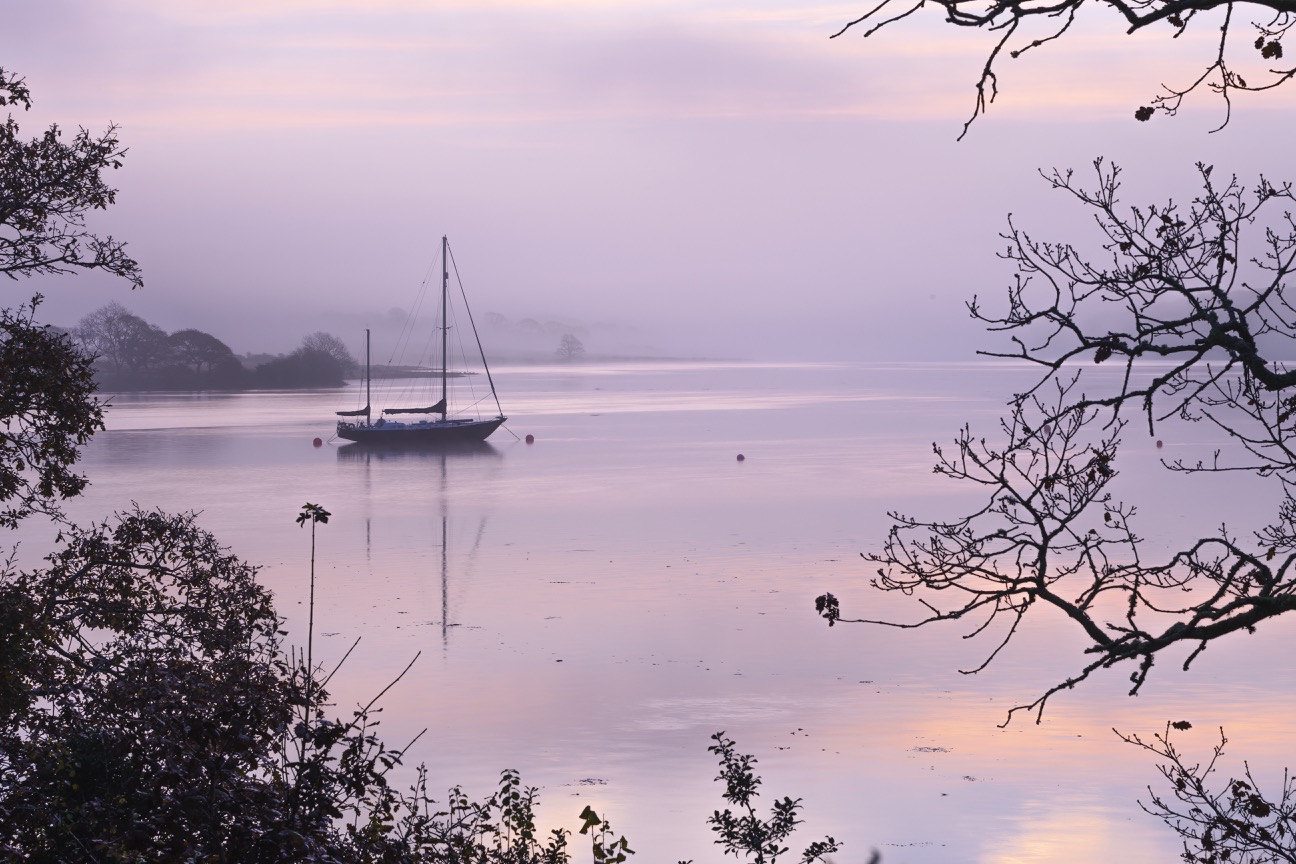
[{"x": 437, "y": 427}]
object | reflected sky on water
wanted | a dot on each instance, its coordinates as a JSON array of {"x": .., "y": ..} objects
[{"x": 592, "y": 607}]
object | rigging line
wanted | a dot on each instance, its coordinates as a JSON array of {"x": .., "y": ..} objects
[
  {"x": 464, "y": 381},
  {"x": 480, "y": 350},
  {"x": 406, "y": 337},
  {"x": 407, "y": 388},
  {"x": 471, "y": 564}
]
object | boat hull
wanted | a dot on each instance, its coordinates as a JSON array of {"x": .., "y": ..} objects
[{"x": 449, "y": 432}]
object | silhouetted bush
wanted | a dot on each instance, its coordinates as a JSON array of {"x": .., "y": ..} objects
[{"x": 305, "y": 367}]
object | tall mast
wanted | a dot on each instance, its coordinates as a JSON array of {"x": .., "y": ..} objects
[
  {"x": 445, "y": 323},
  {"x": 368, "y": 400}
]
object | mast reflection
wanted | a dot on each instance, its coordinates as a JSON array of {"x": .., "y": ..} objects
[{"x": 443, "y": 457}]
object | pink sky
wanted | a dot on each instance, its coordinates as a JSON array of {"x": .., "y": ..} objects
[{"x": 720, "y": 177}]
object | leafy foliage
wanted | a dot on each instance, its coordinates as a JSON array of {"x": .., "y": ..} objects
[
  {"x": 149, "y": 713},
  {"x": 746, "y": 834},
  {"x": 141, "y": 689},
  {"x": 1234, "y": 822},
  {"x": 1024, "y": 25},
  {"x": 605, "y": 849},
  {"x": 47, "y": 186},
  {"x": 48, "y": 411}
]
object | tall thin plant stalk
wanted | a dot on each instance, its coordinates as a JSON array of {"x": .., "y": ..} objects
[{"x": 314, "y": 514}]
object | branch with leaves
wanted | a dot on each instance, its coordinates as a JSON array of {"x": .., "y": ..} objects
[
  {"x": 745, "y": 833},
  {"x": 48, "y": 412},
  {"x": 1233, "y": 821},
  {"x": 47, "y": 187}
]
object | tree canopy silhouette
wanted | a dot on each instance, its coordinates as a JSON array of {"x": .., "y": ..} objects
[
  {"x": 47, "y": 404},
  {"x": 47, "y": 188}
]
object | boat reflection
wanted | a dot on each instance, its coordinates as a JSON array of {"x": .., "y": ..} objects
[
  {"x": 415, "y": 452},
  {"x": 441, "y": 511}
]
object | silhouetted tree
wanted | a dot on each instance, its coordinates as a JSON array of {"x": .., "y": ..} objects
[
  {"x": 305, "y": 367},
  {"x": 137, "y": 355},
  {"x": 47, "y": 404},
  {"x": 123, "y": 339},
  {"x": 147, "y": 345},
  {"x": 47, "y": 186},
  {"x": 1202, "y": 291},
  {"x": 570, "y": 348},
  {"x": 141, "y": 694},
  {"x": 1050, "y": 531},
  {"x": 200, "y": 352},
  {"x": 48, "y": 411},
  {"x": 331, "y": 345},
  {"x": 1023, "y": 25}
]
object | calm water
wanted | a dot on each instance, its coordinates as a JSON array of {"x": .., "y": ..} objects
[{"x": 592, "y": 607}]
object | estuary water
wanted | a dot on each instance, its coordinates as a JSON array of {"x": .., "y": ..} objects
[{"x": 590, "y": 608}]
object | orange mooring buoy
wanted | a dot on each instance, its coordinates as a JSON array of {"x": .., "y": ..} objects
[
  {"x": 317, "y": 443},
  {"x": 741, "y": 457},
  {"x": 530, "y": 439}
]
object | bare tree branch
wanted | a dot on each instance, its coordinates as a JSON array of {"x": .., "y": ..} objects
[
  {"x": 1024, "y": 25},
  {"x": 1189, "y": 303}
]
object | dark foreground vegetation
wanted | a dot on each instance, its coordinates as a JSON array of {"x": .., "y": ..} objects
[
  {"x": 129, "y": 353},
  {"x": 151, "y": 712}
]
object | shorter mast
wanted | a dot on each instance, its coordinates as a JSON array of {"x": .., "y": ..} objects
[
  {"x": 366, "y": 411},
  {"x": 445, "y": 322}
]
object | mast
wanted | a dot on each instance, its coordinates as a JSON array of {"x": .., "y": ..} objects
[
  {"x": 368, "y": 400},
  {"x": 445, "y": 323}
]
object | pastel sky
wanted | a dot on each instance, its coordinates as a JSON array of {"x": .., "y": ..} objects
[{"x": 705, "y": 178}]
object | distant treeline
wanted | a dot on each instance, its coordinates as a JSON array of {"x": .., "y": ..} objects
[{"x": 132, "y": 354}]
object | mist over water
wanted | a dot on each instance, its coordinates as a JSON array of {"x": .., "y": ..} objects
[{"x": 591, "y": 608}]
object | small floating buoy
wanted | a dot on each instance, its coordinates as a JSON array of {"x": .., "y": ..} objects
[
  {"x": 317, "y": 443},
  {"x": 741, "y": 457},
  {"x": 530, "y": 439},
  {"x": 1159, "y": 444}
]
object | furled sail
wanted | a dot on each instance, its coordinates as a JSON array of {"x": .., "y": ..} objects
[
  {"x": 363, "y": 412},
  {"x": 438, "y": 408}
]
